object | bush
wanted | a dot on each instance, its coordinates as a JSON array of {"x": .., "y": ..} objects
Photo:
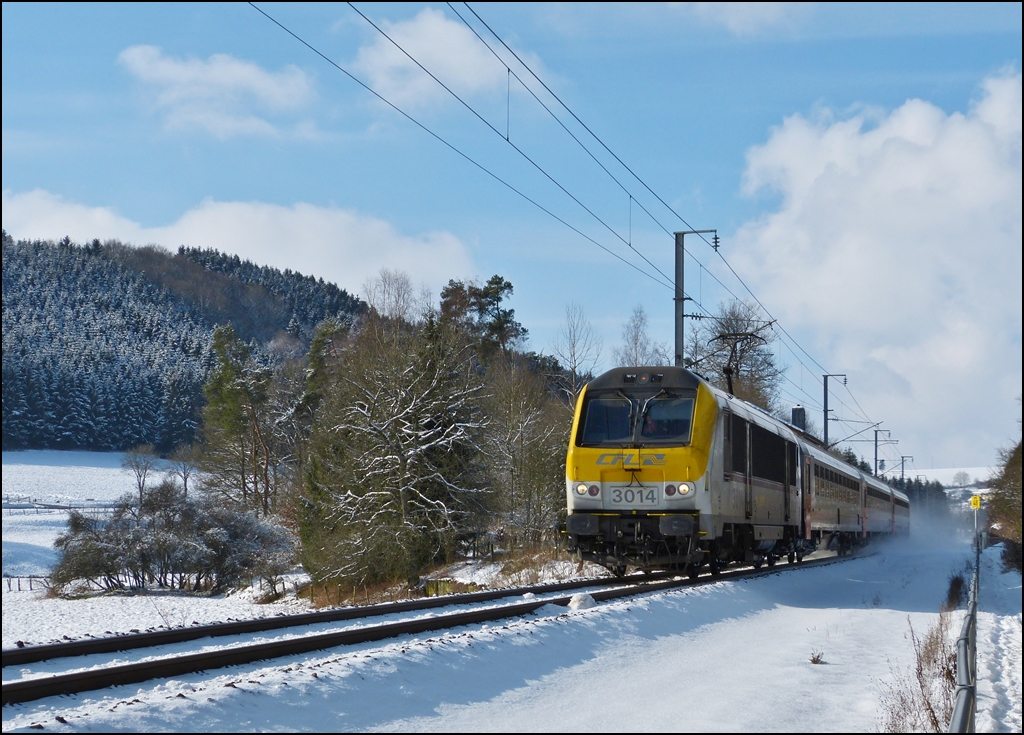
[
  {"x": 922, "y": 699},
  {"x": 171, "y": 541},
  {"x": 1011, "y": 556}
]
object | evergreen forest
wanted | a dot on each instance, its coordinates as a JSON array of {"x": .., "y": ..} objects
[{"x": 108, "y": 346}]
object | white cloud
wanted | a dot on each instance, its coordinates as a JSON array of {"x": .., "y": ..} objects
[
  {"x": 446, "y": 47},
  {"x": 217, "y": 95},
  {"x": 898, "y": 243},
  {"x": 339, "y": 245},
  {"x": 746, "y": 19}
]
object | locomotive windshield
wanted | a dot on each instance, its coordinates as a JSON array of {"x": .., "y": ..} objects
[{"x": 636, "y": 419}]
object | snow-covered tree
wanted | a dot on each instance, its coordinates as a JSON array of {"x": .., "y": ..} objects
[{"x": 393, "y": 467}]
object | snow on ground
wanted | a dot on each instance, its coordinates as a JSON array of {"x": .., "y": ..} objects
[
  {"x": 498, "y": 575},
  {"x": 33, "y": 618},
  {"x": 28, "y": 541},
  {"x": 999, "y": 648},
  {"x": 733, "y": 656}
]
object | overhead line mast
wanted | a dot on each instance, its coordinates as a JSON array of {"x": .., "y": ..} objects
[{"x": 681, "y": 298}]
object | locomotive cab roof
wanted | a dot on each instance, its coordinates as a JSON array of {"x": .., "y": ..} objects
[{"x": 664, "y": 377}]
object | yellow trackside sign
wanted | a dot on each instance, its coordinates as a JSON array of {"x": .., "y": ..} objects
[{"x": 975, "y": 501}]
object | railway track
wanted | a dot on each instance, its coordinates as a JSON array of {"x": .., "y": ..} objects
[
  {"x": 31, "y": 689},
  {"x": 113, "y": 644}
]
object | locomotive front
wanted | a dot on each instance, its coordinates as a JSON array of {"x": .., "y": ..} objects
[{"x": 636, "y": 469}]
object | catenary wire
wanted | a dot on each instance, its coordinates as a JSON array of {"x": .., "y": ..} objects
[
  {"x": 515, "y": 147},
  {"x": 572, "y": 135},
  {"x": 654, "y": 193},
  {"x": 706, "y": 314},
  {"x": 560, "y": 186},
  {"x": 452, "y": 147}
]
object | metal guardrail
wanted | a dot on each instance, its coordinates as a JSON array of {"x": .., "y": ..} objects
[{"x": 965, "y": 705}]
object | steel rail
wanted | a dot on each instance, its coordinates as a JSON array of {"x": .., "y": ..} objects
[
  {"x": 27, "y": 690},
  {"x": 114, "y": 644}
]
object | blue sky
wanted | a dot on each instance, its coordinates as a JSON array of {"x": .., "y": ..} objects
[{"x": 862, "y": 164}]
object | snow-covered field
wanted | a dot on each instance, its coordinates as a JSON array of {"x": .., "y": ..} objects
[
  {"x": 733, "y": 656},
  {"x": 51, "y": 476},
  {"x": 58, "y": 478}
]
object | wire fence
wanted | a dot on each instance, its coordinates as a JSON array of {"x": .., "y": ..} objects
[
  {"x": 965, "y": 705},
  {"x": 27, "y": 505},
  {"x": 29, "y": 583}
]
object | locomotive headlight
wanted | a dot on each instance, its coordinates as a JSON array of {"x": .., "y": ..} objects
[
  {"x": 581, "y": 489},
  {"x": 685, "y": 488}
]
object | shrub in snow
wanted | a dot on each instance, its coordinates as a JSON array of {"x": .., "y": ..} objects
[{"x": 170, "y": 540}]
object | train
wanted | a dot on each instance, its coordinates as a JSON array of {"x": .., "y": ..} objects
[{"x": 664, "y": 471}]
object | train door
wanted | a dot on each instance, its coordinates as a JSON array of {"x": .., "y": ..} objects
[
  {"x": 738, "y": 464},
  {"x": 863, "y": 490},
  {"x": 785, "y": 486},
  {"x": 808, "y": 480},
  {"x": 748, "y": 487}
]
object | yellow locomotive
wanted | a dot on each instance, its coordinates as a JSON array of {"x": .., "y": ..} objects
[{"x": 665, "y": 471}]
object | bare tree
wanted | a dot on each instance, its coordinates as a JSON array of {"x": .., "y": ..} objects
[
  {"x": 637, "y": 346},
  {"x": 734, "y": 350},
  {"x": 391, "y": 295},
  {"x": 185, "y": 463},
  {"x": 525, "y": 447},
  {"x": 578, "y": 348},
  {"x": 141, "y": 461}
]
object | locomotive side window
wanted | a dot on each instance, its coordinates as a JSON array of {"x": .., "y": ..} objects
[
  {"x": 608, "y": 419},
  {"x": 738, "y": 435},
  {"x": 791, "y": 450},
  {"x": 727, "y": 442},
  {"x": 767, "y": 454}
]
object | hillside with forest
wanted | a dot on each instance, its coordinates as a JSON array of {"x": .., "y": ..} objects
[{"x": 108, "y": 346}]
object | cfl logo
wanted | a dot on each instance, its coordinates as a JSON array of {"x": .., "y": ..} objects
[{"x": 630, "y": 458}]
